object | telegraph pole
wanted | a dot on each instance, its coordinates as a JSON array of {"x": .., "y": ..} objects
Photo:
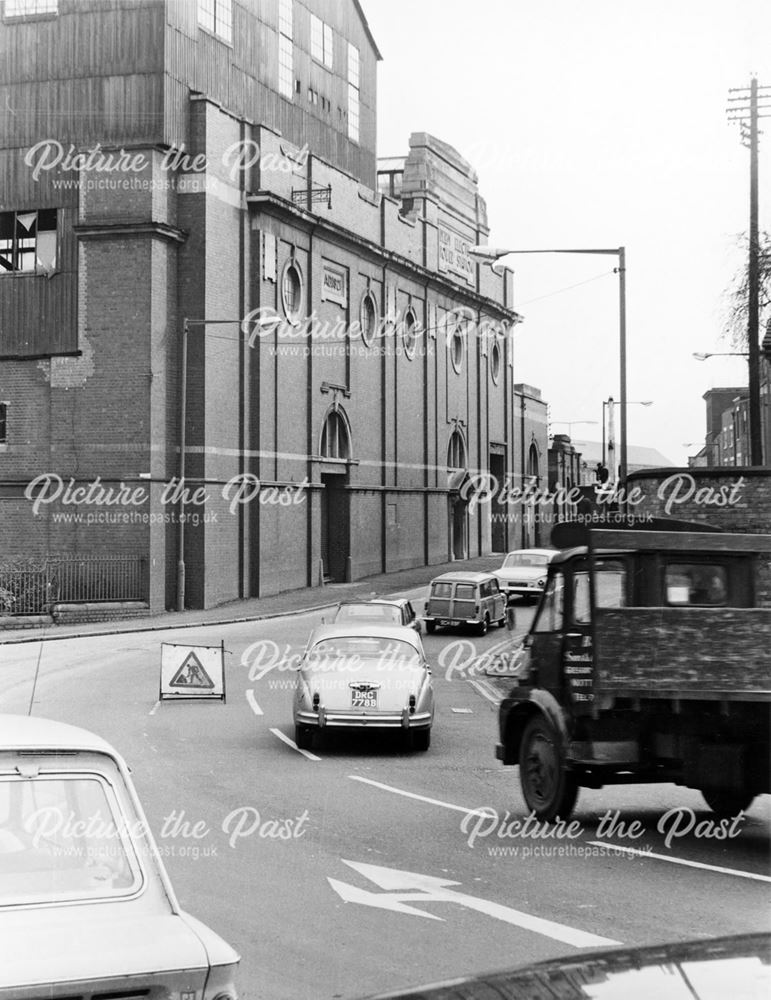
[{"x": 745, "y": 109}]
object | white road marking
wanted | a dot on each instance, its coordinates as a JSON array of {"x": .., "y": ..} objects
[
  {"x": 484, "y": 811},
  {"x": 403, "y": 888},
  {"x": 487, "y": 691},
  {"x": 461, "y": 711},
  {"x": 682, "y": 861},
  {"x": 293, "y": 745},
  {"x": 155, "y": 708},
  {"x": 253, "y": 702}
]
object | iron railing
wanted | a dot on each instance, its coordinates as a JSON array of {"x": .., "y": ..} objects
[{"x": 33, "y": 586}]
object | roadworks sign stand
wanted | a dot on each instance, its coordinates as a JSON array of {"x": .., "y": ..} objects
[{"x": 192, "y": 673}]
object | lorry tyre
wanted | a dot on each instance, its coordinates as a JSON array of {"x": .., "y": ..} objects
[
  {"x": 726, "y": 802},
  {"x": 549, "y": 790}
]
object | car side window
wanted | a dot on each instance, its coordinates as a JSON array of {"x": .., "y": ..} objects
[
  {"x": 494, "y": 588},
  {"x": 551, "y": 611},
  {"x": 409, "y": 612}
]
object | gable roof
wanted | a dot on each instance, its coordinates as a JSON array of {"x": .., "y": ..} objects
[{"x": 368, "y": 30}]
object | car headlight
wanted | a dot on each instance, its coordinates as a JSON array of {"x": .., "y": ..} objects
[{"x": 541, "y": 584}]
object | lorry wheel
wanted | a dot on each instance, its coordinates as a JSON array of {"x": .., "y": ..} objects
[
  {"x": 549, "y": 790},
  {"x": 726, "y": 802}
]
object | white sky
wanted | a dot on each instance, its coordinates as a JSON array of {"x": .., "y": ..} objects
[{"x": 598, "y": 123}]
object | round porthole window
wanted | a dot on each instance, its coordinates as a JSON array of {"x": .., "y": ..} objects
[
  {"x": 368, "y": 319},
  {"x": 292, "y": 291},
  {"x": 457, "y": 347},
  {"x": 495, "y": 360},
  {"x": 410, "y": 333}
]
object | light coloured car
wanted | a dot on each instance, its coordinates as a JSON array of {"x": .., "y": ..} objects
[
  {"x": 523, "y": 573},
  {"x": 379, "y": 611},
  {"x": 364, "y": 677},
  {"x": 86, "y": 906},
  {"x": 465, "y": 598}
]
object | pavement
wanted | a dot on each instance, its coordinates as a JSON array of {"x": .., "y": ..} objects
[{"x": 257, "y": 608}]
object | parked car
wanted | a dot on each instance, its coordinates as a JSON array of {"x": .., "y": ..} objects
[
  {"x": 737, "y": 966},
  {"x": 523, "y": 573},
  {"x": 364, "y": 677},
  {"x": 460, "y": 598},
  {"x": 86, "y": 906},
  {"x": 398, "y": 611}
]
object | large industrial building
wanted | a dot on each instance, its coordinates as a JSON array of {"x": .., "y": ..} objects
[{"x": 204, "y": 274}]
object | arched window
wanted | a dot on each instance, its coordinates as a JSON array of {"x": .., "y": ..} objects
[
  {"x": 533, "y": 465},
  {"x": 335, "y": 440},
  {"x": 456, "y": 451}
]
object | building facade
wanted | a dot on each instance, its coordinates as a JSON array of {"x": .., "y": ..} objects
[{"x": 222, "y": 347}]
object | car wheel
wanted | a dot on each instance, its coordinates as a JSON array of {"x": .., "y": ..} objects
[
  {"x": 303, "y": 737},
  {"x": 501, "y": 623},
  {"x": 726, "y": 802},
  {"x": 430, "y": 627},
  {"x": 483, "y": 626},
  {"x": 420, "y": 739},
  {"x": 549, "y": 790}
]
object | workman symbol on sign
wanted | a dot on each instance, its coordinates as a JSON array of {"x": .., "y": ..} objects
[{"x": 191, "y": 674}]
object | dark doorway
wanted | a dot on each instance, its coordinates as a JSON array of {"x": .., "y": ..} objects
[
  {"x": 335, "y": 527},
  {"x": 497, "y": 509},
  {"x": 457, "y": 528}
]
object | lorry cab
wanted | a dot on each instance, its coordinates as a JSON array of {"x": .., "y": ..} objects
[{"x": 647, "y": 660}]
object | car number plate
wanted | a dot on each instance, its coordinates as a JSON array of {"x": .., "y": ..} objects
[
  {"x": 449, "y": 621},
  {"x": 363, "y": 699}
]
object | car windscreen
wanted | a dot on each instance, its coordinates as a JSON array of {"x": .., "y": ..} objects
[
  {"x": 386, "y": 614},
  {"x": 345, "y": 652},
  {"x": 524, "y": 559},
  {"x": 63, "y": 838}
]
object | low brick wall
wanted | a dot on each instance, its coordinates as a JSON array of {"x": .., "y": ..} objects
[
  {"x": 733, "y": 498},
  {"x": 67, "y": 614}
]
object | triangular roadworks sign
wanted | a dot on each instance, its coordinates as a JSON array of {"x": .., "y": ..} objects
[{"x": 191, "y": 674}]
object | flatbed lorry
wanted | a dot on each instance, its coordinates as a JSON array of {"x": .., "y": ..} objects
[{"x": 648, "y": 660}]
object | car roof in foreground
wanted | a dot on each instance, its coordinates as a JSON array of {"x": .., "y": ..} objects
[
  {"x": 22, "y": 732},
  {"x": 617, "y": 972},
  {"x": 368, "y": 631}
]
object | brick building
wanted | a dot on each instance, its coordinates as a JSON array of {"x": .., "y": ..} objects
[{"x": 168, "y": 165}]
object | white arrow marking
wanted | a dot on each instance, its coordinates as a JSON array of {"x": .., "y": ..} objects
[{"x": 411, "y": 887}]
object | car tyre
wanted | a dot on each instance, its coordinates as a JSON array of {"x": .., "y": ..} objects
[
  {"x": 549, "y": 790},
  {"x": 430, "y": 627},
  {"x": 303, "y": 737},
  {"x": 727, "y": 802},
  {"x": 483, "y": 626},
  {"x": 420, "y": 739}
]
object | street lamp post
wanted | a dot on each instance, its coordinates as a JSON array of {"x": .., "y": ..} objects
[
  {"x": 493, "y": 255},
  {"x": 610, "y": 402}
]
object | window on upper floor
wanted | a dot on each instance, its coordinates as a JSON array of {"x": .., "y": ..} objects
[
  {"x": 217, "y": 16},
  {"x": 286, "y": 83},
  {"x": 322, "y": 42},
  {"x": 29, "y": 8},
  {"x": 353, "y": 92},
  {"x": 28, "y": 242}
]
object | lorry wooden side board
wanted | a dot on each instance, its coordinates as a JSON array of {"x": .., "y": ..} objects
[{"x": 686, "y": 650}]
